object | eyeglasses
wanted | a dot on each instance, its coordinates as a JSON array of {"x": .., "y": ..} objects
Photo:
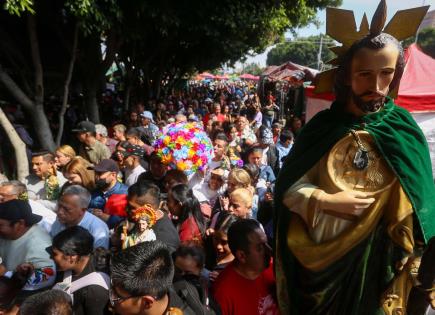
[{"x": 114, "y": 298}]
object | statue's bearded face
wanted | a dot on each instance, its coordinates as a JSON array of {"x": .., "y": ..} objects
[{"x": 372, "y": 71}]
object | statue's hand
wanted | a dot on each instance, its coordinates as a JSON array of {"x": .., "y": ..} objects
[{"x": 346, "y": 202}]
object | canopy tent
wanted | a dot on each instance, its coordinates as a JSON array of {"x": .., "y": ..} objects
[
  {"x": 248, "y": 76},
  {"x": 417, "y": 86},
  {"x": 222, "y": 77},
  {"x": 289, "y": 71},
  {"x": 206, "y": 75}
]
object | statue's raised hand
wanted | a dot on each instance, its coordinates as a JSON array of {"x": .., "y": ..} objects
[{"x": 345, "y": 202}]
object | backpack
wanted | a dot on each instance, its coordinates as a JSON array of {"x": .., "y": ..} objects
[
  {"x": 94, "y": 278},
  {"x": 191, "y": 296}
]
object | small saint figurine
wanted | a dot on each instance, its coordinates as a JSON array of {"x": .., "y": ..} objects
[{"x": 144, "y": 218}]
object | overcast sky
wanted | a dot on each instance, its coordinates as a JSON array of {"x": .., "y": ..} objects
[{"x": 359, "y": 7}]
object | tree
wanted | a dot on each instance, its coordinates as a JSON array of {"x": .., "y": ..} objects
[
  {"x": 252, "y": 68},
  {"x": 301, "y": 50},
  {"x": 46, "y": 29},
  {"x": 18, "y": 145},
  {"x": 182, "y": 37},
  {"x": 158, "y": 42},
  {"x": 426, "y": 41}
]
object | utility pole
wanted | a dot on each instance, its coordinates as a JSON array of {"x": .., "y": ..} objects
[{"x": 319, "y": 55}]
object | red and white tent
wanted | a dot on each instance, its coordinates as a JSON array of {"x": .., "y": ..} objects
[{"x": 417, "y": 87}]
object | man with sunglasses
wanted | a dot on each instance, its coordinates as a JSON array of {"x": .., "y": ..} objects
[{"x": 142, "y": 282}]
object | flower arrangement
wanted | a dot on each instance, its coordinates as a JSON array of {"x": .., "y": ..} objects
[{"x": 184, "y": 146}]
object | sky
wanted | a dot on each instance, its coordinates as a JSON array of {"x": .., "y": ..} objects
[{"x": 359, "y": 7}]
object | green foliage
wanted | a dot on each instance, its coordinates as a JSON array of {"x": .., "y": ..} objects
[
  {"x": 426, "y": 41},
  {"x": 16, "y": 7},
  {"x": 95, "y": 15},
  {"x": 252, "y": 68},
  {"x": 302, "y": 50},
  {"x": 157, "y": 41}
]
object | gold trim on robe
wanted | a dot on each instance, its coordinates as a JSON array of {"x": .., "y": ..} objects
[{"x": 319, "y": 237}]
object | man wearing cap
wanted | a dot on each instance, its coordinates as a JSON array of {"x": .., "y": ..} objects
[
  {"x": 23, "y": 243},
  {"x": 131, "y": 158},
  {"x": 90, "y": 148},
  {"x": 109, "y": 198},
  {"x": 72, "y": 210},
  {"x": 148, "y": 124},
  {"x": 103, "y": 136},
  {"x": 45, "y": 183},
  {"x": 156, "y": 174}
]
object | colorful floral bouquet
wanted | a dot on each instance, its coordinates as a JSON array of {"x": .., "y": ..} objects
[{"x": 184, "y": 146}]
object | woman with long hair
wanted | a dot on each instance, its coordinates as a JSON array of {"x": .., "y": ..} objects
[
  {"x": 73, "y": 253},
  {"x": 77, "y": 172},
  {"x": 63, "y": 155},
  {"x": 186, "y": 211}
]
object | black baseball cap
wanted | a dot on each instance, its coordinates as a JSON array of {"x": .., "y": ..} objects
[
  {"x": 16, "y": 209},
  {"x": 106, "y": 165},
  {"x": 84, "y": 126},
  {"x": 132, "y": 149}
]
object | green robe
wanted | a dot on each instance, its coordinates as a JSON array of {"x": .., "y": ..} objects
[{"x": 353, "y": 284}]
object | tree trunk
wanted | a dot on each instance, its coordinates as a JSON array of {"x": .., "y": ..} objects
[
  {"x": 92, "y": 105},
  {"x": 42, "y": 128},
  {"x": 19, "y": 147},
  {"x": 127, "y": 98},
  {"x": 66, "y": 86},
  {"x": 45, "y": 137}
]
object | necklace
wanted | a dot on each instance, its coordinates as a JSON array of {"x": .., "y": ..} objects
[{"x": 361, "y": 158}]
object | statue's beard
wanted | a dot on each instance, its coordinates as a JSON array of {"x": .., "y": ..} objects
[{"x": 369, "y": 106}]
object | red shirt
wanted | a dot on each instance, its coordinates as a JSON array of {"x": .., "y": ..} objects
[
  {"x": 189, "y": 231},
  {"x": 237, "y": 295},
  {"x": 220, "y": 118}
]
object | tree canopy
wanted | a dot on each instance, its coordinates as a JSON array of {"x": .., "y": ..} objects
[
  {"x": 252, "y": 68},
  {"x": 155, "y": 43},
  {"x": 426, "y": 41},
  {"x": 301, "y": 50}
]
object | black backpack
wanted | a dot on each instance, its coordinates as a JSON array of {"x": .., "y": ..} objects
[{"x": 192, "y": 292}]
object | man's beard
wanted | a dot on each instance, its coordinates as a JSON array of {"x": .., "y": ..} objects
[{"x": 368, "y": 106}]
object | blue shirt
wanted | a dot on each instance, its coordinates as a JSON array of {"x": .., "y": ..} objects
[
  {"x": 97, "y": 227},
  {"x": 282, "y": 152},
  {"x": 99, "y": 199}
]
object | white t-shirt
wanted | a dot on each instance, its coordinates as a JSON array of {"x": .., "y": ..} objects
[
  {"x": 132, "y": 175},
  {"x": 48, "y": 216},
  {"x": 30, "y": 248}
]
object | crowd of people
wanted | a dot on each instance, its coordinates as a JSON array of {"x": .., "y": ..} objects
[{"x": 105, "y": 226}]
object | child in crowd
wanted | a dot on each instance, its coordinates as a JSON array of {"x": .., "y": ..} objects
[
  {"x": 255, "y": 156},
  {"x": 241, "y": 203},
  {"x": 237, "y": 178},
  {"x": 220, "y": 255},
  {"x": 209, "y": 191}
]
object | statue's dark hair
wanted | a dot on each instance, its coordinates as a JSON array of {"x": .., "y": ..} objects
[{"x": 341, "y": 86}]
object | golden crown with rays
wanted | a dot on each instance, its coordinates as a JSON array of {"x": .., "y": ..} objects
[
  {"x": 341, "y": 26},
  {"x": 146, "y": 211}
]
